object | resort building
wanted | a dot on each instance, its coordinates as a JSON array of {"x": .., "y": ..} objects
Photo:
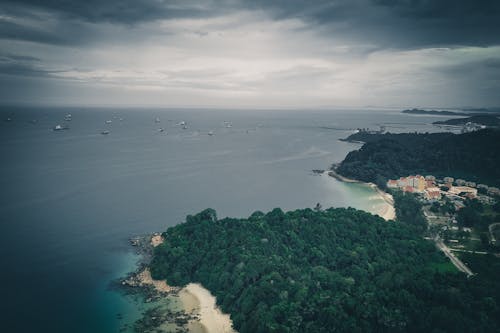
[
  {"x": 409, "y": 184},
  {"x": 493, "y": 191},
  {"x": 432, "y": 193},
  {"x": 457, "y": 190},
  {"x": 392, "y": 183},
  {"x": 448, "y": 180},
  {"x": 482, "y": 186}
]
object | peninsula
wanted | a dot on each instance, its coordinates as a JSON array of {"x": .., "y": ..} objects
[
  {"x": 307, "y": 270},
  {"x": 474, "y": 156}
]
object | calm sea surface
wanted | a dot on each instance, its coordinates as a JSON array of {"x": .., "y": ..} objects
[{"x": 70, "y": 199}]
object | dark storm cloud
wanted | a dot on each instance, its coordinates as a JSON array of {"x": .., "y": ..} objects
[
  {"x": 261, "y": 52},
  {"x": 21, "y": 65},
  {"x": 15, "y": 31},
  {"x": 401, "y": 23},
  {"x": 118, "y": 11},
  {"x": 383, "y": 23}
]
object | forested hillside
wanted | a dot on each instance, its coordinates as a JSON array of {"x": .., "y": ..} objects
[
  {"x": 339, "y": 270},
  {"x": 473, "y": 156}
]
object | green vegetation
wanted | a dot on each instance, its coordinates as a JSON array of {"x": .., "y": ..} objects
[
  {"x": 472, "y": 156},
  {"x": 464, "y": 112},
  {"x": 433, "y": 112},
  {"x": 444, "y": 267},
  {"x": 409, "y": 210},
  {"x": 338, "y": 270},
  {"x": 485, "y": 282},
  {"x": 487, "y": 120}
]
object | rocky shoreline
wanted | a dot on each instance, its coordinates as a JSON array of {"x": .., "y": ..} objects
[{"x": 159, "y": 315}]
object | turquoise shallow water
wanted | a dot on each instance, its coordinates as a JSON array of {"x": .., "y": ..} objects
[{"x": 71, "y": 199}]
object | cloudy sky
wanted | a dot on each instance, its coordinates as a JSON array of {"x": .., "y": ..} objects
[{"x": 235, "y": 53}]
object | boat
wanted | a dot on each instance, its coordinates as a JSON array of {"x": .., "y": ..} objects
[
  {"x": 161, "y": 129},
  {"x": 59, "y": 128},
  {"x": 105, "y": 132},
  {"x": 108, "y": 121},
  {"x": 157, "y": 120},
  {"x": 182, "y": 123},
  {"x": 68, "y": 117},
  {"x": 211, "y": 133}
]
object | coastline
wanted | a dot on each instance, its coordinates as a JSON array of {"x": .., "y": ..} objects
[
  {"x": 388, "y": 212},
  {"x": 194, "y": 308}
]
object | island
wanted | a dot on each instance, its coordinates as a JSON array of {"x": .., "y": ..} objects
[{"x": 433, "y": 112}]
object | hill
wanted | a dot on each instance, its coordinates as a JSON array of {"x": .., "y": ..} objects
[
  {"x": 433, "y": 112},
  {"x": 338, "y": 270},
  {"x": 474, "y": 156},
  {"x": 486, "y": 120}
]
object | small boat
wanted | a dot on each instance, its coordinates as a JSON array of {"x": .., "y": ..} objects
[
  {"x": 105, "y": 132},
  {"x": 68, "y": 117},
  {"x": 157, "y": 120},
  {"x": 211, "y": 133},
  {"x": 161, "y": 129},
  {"x": 108, "y": 121},
  {"x": 182, "y": 123},
  {"x": 59, "y": 128}
]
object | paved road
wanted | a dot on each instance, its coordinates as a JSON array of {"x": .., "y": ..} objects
[{"x": 457, "y": 262}]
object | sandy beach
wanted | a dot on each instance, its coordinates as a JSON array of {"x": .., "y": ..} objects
[
  {"x": 212, "y": 319},
  {"x": 387, "y": 212}
]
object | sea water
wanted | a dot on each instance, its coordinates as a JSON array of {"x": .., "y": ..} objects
[{"x": 71, "y": 199}]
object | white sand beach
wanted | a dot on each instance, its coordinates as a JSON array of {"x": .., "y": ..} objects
[
  {"x": 212, "y": 319},
  {"x": 386, "y": 210}
]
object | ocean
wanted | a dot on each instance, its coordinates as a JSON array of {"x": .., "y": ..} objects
[{"x": 71, "y": 199}]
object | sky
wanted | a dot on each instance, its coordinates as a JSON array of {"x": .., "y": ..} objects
[{"x": 251, "y": 54}]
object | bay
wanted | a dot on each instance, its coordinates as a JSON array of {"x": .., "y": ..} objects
[{"x": 71, "y": 199}]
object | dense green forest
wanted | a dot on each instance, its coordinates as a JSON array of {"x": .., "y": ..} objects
[
  {"x": 338, "y": 270},
  {"x": 409, "y": 210},
  {"x": 433, "y": 112},
  {"x": 487, "y": 120},
  {"x": 473, "y": 156}
]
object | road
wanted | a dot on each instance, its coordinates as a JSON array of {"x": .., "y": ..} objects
[{"x": 457, "y": 262}]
